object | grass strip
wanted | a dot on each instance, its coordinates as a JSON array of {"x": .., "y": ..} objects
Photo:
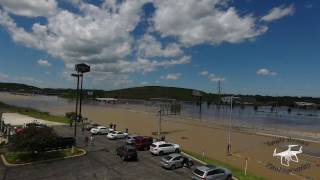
[
  {"x": 33, "y": 113},
  {"x": 236, "y": 172},
  {"x": 27, "y": 157}
]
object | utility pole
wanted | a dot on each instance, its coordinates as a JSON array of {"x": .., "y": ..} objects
[
  {"x": 219, "y": 87},
  {"x": 80, "y": 69},
  {"x": 80, "y": 108},
  {"x": 77, "y": 102},
  {"x": 159, "y": 124},
  {"x": 229, "y": 129},
  {"x": 219, "y": 94}
]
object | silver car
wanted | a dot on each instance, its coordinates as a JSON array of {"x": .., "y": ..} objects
[
  {"x": 175, "y": 160},
  {"x": 211, "y": 172}
]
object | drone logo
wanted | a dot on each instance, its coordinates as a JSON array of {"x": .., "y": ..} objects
[{"x": 288, "y": 155}]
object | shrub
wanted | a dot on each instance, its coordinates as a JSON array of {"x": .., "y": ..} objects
[
  {"x": 34, "y": 139},
  {"x": 70, "y": 115}
]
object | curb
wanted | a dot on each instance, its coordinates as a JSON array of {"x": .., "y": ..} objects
[
  {"x": 6, "y": 163},
  {"x": 201, "y": 162}
]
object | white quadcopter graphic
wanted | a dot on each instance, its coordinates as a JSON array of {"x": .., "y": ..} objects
[{"x": 288, "y": 155}]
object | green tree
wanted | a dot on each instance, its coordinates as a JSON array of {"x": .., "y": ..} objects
[{"x": 34, "y": 139}]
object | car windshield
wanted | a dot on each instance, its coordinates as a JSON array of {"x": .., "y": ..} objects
[
  {"x": 168, "y": 158},
  {"x": 198, "y": 172},
  {"x": 153, "y": 145}
]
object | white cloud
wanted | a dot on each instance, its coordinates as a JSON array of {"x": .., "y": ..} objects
[
  {"x": 4, "y": 77},
  {"x": 266, "y": 72},
  {"x": 149, "y": 46},
  {"x": 43, "y": 62},
  {"x": 146, "y": 66},
  {"x": 215, "y": 78},
  {"x": 30, "y": 8},
  {"x": 204, "y": 73},
  {"x": 144, "y": 83},
  {"x": 308, "y": 5},
  {"x": 19, "y": 79},
  {"x": 102, "y": 35},
  {"x": 174, "y": 76},
  {"x": 279, "y": 12},
  {"x": 212, "y": 77},
  {"x": 195, "y": 22},
  {"x": 96, "y": 35}
]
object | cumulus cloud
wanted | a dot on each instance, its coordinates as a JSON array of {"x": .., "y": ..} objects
[
  {"x": 93, "y": 36},
  {"x": 215, "y": 78},
  {"x": 174, "y": 76},
  {"x": 149, "y": 46},
  {"x": 279, "y": 12},
  {"x": 19, "y": 79},
  {"x": 30, "y": 8},
  {"x": 144, "y": 83},
  {"x": 266, "y": 72},
  {"x": 211, "y": 77},
  {"x": 102, "y": 35},
  {"x": 206, "y": 21},
  {"x": 4, "y": 77},
  {"x": 204, "y": 73},
  {"x": 43, "y": 62},
  {"x": 146, "y": 66}
]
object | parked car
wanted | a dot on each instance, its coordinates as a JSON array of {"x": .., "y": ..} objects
[
  {"x": 211, "y": 172},
  {"x": 61, "y": 143},
  {"x": 130, "y": 139},
  {"x": 92, "y": 126},
  {"x": 127, "y": 152},
  {"x": 143, "y": 142},
  {"x": 117, "y": 135},
  {"x": 175, "y": 160},
  {"x": 18, "y": 130},
  {"x": 162, "y": 147},
  {"x": 99, "y": 130}
]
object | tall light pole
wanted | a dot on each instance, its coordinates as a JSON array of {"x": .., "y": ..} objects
[
  {"x": 77, "y": 102},
  {"x": 229, "y": 129},
  {"x": 159, "y": 124},
  {"x": 81, "y": 69}
]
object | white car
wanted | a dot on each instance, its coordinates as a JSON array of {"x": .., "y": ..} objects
[
  {"x": 162, "y": 147},
  {"x": 99, "y": 130},
  {"x": 117, "y": 135}
]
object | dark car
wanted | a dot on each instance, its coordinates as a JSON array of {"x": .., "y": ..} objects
[
  {"x": 142, "y": 142},
  {"x": 127, "y": 152},
  {"x": 61, "y": 143}
]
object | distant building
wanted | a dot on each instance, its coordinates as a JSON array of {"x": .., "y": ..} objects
[
  {"x": 107, "y": 100},
  {"x": 306, "y": 105},
  {"x": 227, "y": 99}
]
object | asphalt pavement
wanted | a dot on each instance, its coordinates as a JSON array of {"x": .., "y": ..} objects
[{"x": 100, "y": 163}]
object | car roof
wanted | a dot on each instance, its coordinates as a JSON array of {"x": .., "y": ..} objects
[
  {"x": 143, "y": 137},
  {"x": 101, "y": 127},
  {"x": 207, "y": 167},
  {"x": 133, "y": 135},
  {"x": 174, "y": 155},
  {"x": 159, "y": 142}
]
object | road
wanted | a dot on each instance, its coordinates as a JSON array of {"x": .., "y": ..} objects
[{"x": 100, "y": 162}]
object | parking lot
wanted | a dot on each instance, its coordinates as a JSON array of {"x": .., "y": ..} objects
[{"x": 101, "y": 162}]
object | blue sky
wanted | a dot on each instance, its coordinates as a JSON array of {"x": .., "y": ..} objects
[{"x": 252, "y": 47}]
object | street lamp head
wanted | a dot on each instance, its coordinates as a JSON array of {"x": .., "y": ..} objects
[{"x": 82, "y": 68}]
